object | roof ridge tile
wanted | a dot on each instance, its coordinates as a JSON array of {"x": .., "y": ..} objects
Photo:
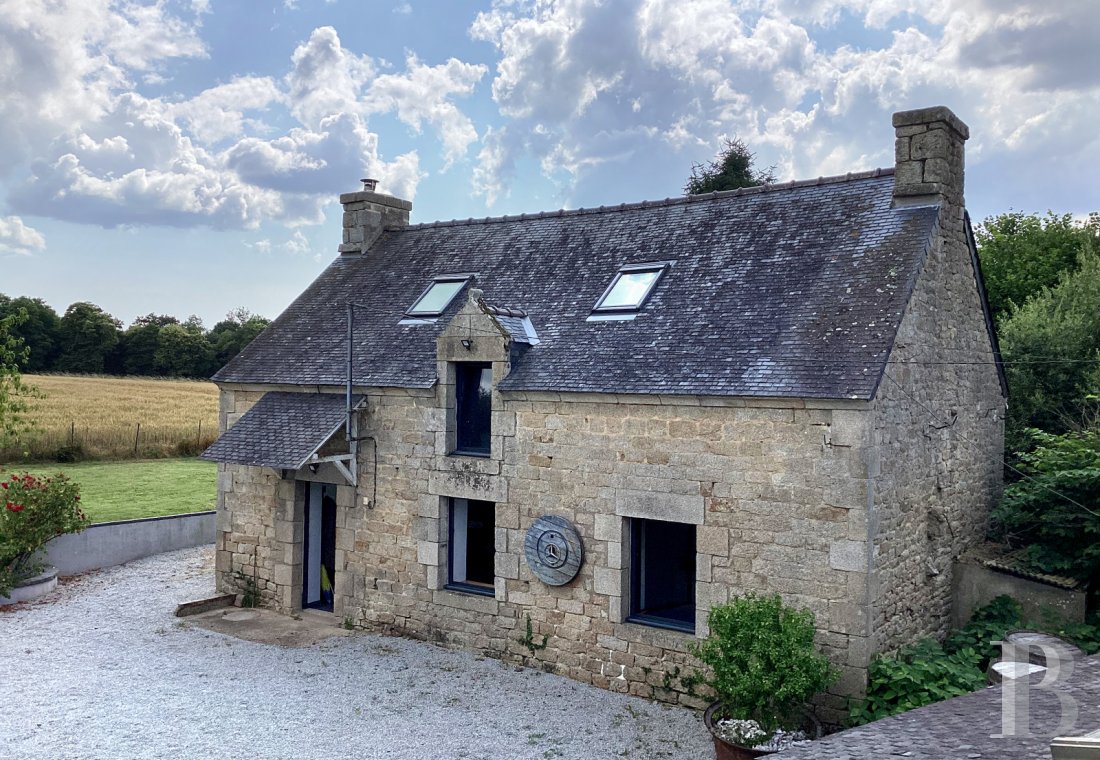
[{"x": 677, "y": 201}]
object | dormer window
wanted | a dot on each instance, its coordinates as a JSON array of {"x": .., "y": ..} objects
[
  {"x": 630, "y": 288},
  {"x": 435, "y": 300}
]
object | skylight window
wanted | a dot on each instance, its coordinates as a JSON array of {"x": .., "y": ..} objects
[
  {"x": 435, "y": 300},
  {"x": 630, "y": 288}
]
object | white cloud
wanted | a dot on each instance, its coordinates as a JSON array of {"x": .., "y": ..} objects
[
  {"x": 113, "y": 157},
  {"x": 422, "y": 94},
  {"x": 326, "y": 78},
  {"x": 219, "y": 112},
  {"x": 16, "y": 237},
  {"x": 63, "y": 61},
  {"x": 297, "y": 244},
  {"x": 583, "y": 82},
  {"x": 148, "y": 171}
]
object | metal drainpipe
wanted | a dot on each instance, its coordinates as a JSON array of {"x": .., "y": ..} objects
[
  {"x": 351, "y": 435},
  {"x": 347, "y": 396}
]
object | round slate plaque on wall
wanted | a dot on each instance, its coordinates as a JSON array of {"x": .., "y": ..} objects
[{"x": 554, "y": 550}]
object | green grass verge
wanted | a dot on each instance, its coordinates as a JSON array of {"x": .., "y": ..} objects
[{"x": 129, "y": 490}]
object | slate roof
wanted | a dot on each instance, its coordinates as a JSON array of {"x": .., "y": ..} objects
[
  {"x": 962, "y": 728},
  {"x": 792, "y": 290},
  {"x": 281, "y": 430},
  {"x": 516, "y": 323}
]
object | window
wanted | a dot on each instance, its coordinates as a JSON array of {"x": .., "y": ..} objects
[
  {"x": 471, "y": 547},
  {"x": 435, "y": 300},
  {"x": 473, "y": 408},
  {"x": 662, "y": 574},
  {"x": 630, "y": 288}
]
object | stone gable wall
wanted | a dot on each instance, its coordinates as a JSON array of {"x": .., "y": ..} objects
[{"x": 938, "y": 444}]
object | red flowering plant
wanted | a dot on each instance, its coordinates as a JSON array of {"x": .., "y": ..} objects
[{"x": 33, "y": 511}]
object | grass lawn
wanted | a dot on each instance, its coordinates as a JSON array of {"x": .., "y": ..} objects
[{"x": 128, "y": 490}]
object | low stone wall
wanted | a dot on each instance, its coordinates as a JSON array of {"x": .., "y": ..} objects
[
  {"x": 114, "y": 543},
  {"x": 977, "y": 585}
]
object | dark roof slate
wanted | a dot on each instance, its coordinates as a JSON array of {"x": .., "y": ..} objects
[
  {"x": 793, "y": 291},
  {"x": 514, "y": 322},
  {"x": 281, "y": 430},
  {"x": 966, "y": 727}
]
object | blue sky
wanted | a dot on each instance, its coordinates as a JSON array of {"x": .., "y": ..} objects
[{"x": 185, "y": 156}]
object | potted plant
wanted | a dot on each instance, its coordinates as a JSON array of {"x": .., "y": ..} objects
[
  {"x": 33, "y": 511},
  {"x": 763, "y": 670}
]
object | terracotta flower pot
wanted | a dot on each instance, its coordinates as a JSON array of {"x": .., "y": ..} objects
[{"x": 725, "y": 750}]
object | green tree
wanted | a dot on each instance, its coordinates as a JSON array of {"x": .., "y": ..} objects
[
  {"x": 1055, "y": 513},
  {"x": 15, "y": 395},
  {"x": 138, "y": 345},
  {"x": 1023, "y": 253},
  {"x": 1051, "y": 348},
  {"x": 232, "y": 334},
  {"x": 40, "y": 331},
  {"x": 183, "y": 351},
  {"x": 88, "y": 336},
  {"x": 730, "y": 169}
]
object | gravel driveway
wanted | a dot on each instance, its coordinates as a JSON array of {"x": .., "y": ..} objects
[{"x": 100, "y": 668}]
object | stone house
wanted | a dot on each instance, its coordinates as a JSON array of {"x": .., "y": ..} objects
[{"x": 789, "y": 389}]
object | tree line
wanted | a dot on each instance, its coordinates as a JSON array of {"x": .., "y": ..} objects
[
  {"x": 88, "y": 340},
  {"x": 1042, "y": 276}
]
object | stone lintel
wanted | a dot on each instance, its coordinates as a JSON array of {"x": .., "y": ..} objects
[
  {"x": 471, "y": 485},
  {"x": 669, "y": 507}
]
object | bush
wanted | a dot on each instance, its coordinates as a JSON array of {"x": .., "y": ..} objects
[
  {"x": 987, "y": 624},
  {"x": 762, "y": 659},
  {"x": 69, "y": 454},
  {"x": 926, "y": 672},
  {"x": 35, "y": 511},
  {"x": 917, "y": 675}
]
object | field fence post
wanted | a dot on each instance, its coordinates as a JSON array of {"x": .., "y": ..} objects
[
  {"x": 72, "y": 434},
  {"x": 137, "y": 437},
  {"x": 198, "y": 438}
]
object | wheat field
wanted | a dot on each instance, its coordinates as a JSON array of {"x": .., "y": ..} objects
[{"x": 96, "y": 417}]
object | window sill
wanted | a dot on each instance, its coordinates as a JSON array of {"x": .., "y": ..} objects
[
  {"x": 469, "y": 453},
  {"x": 657, "y": 634},
  {"x": 464, "y": 588},
  {"x": 664, "y": 624},
  {"x": 464, "y": 600}
]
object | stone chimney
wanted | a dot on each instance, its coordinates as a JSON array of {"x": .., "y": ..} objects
[
  {"x": 367, "y": 214},
  {"x": 928, "y": 152}
]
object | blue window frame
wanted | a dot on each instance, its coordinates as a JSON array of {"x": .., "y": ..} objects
[
  {"x": 662, "y": 574},
  {"x": 473, "y": 408},
  {"x": 471, "y": 548}
]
